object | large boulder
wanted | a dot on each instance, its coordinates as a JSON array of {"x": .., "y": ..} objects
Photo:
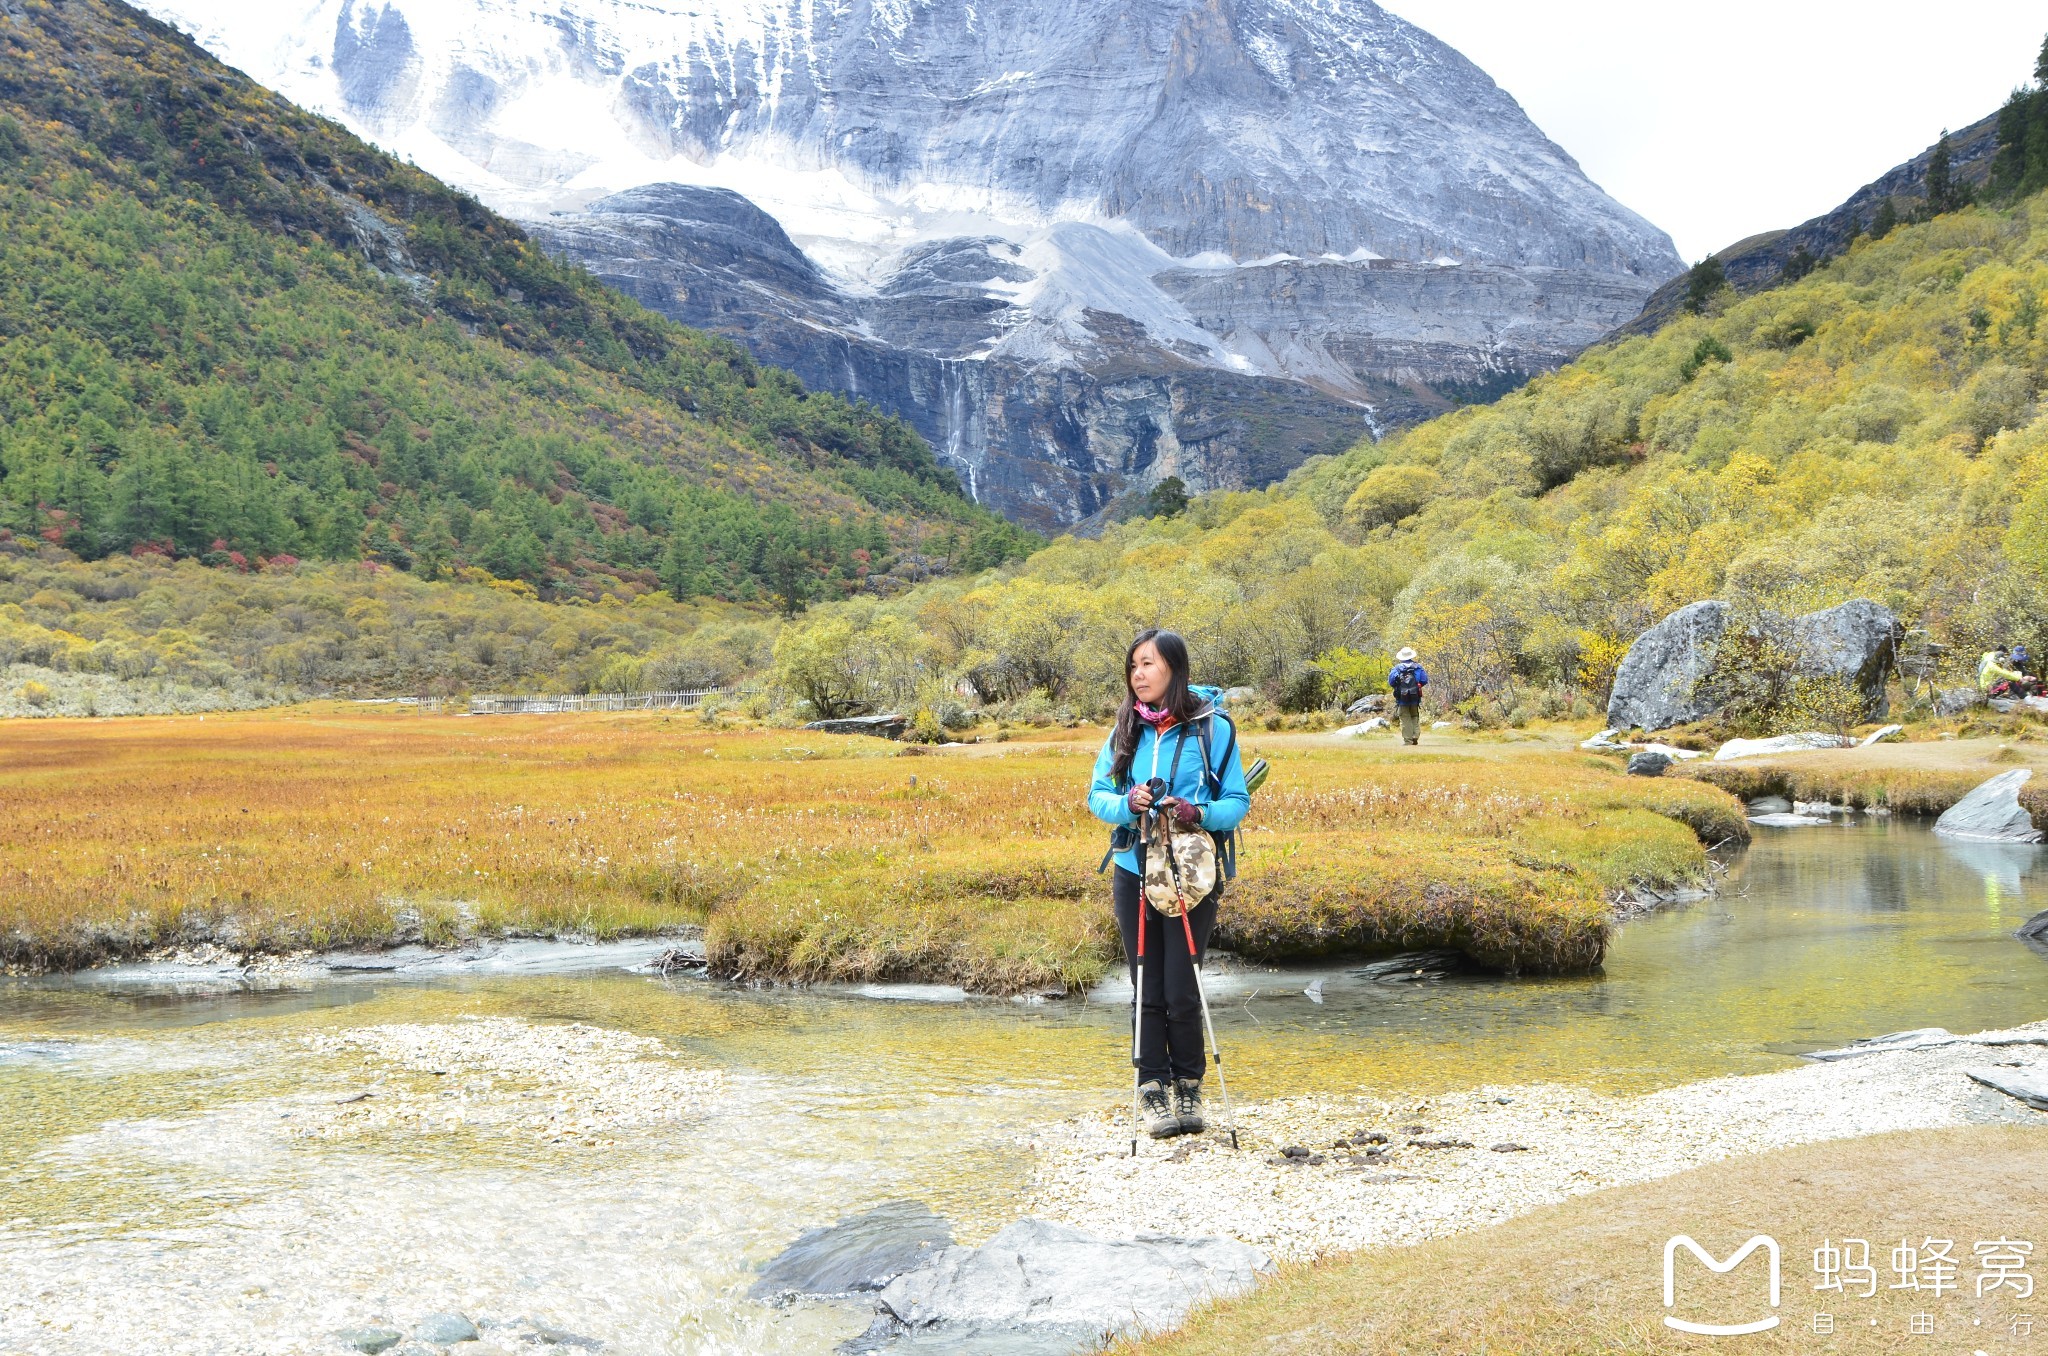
[
  {"x": 1852, "y": 640},
  {"x": 1953, "y": 701},
  {"x": 1992, "y": 813},
  {"x": 1659, "y": 681}
]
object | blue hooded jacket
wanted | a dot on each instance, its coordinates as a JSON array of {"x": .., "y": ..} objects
[{"x": 1154, "y": 757}]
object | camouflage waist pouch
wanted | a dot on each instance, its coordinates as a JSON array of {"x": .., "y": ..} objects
[{"x": 1180, "y": 865}]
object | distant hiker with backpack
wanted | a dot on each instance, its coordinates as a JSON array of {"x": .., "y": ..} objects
[
  {"x": 1406, "y": 681},
  {"x": 1172, "y": 756}
]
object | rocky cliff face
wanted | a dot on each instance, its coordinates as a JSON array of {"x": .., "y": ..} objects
[
  {"x": 1083, "y": 245},
  {"x": 1050, "y": 444}
]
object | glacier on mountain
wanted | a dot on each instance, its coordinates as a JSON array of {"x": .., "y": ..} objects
[{"x": 1215, "y": 218}]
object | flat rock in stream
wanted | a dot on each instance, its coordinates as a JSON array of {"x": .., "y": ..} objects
[
  {"x": 444, "y": 1330},
  {"x": 1917, "y": 1039},
  {"x": 1037, "y": 1275},
  {"x": 886, "y": 1337},
  {"x": 2034, "y": 932},
  {"x": 862, "y": 1253},
  {"x": 2025, "y": 1085},
  {"x": 1927, "y": 1037},
  {"x": 1414, "y": 966},
  {"x": 1992, "y": 813}
]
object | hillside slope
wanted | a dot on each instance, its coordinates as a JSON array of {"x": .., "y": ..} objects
[
  {"x": 1760, "y": 261},
  {"x": 1872, "y": 430},
  {"x": 231, "y": 329}
]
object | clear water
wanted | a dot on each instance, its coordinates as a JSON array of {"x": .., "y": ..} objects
[{"x": 149, "y": 1202}]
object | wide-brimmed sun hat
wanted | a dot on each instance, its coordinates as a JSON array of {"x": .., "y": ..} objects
[{"x": 1405, "y": 655}]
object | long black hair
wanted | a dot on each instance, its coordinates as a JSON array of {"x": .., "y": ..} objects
[{"x": 1179, "y": 700}]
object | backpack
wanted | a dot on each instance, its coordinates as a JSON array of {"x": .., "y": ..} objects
[
  {"x": 1125, "y": 837},
  {"x": 1406, "y": 684}
]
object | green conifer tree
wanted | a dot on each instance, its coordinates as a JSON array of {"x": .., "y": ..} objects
[
  {"x": 1942, "y": 194},
  {"x": 788, "y": 577},
  {"x": 1168, "y": 499},
  {"x": 1706, "y": 278}
]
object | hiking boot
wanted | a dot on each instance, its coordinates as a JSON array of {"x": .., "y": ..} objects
[
  {"x": 1155, "y": 1111},
  {"x": 1187, "y": 1105}
]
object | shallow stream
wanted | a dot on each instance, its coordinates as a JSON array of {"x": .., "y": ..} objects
[{"x": 163, "y": 1187}]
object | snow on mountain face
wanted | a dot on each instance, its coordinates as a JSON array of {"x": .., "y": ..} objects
[
  {"x": 1246, "y": 127},
  {"x": 1148, "y": 184}
]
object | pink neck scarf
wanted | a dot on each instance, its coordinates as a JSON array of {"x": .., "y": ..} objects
[{"x": 1151, "y": 716}]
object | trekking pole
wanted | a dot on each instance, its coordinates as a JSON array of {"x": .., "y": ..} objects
[
  {"x": 1229, "y": 1116},
  {"x": 1137, "y": 1023}
]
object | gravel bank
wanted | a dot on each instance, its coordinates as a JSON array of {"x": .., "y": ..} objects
[
  {"x": 1350, "y": 1192},
  {"x": 553, "y": 1083}
]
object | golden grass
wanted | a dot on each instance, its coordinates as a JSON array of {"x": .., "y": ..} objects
[
  {"x": 1586, "y": 1275},
  {"x": 805, "y": 856},
  {"x": 1907, "y": 790}
]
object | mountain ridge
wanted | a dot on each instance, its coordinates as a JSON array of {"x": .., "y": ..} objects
[
  {"x": 1759, "y": 261},
  {"x": 1132, "y": 195},
  {"x": 229, "y": 328}
]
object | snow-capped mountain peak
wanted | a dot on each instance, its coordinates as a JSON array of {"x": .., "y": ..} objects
[{"x": 1312, "y": 191}]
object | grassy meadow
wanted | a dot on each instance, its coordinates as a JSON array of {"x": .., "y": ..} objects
[
  {"x": 1585, "y": 1275},
  {"x": 802, "y": 856},
  {"x": 1907, "y": 790},
  {"x": 1932, "y": 767}
]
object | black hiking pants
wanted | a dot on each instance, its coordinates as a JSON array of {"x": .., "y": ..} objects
[{"x": 1170, "y": 1022}]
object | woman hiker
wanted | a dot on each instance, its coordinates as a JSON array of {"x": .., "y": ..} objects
[{"x": 1158, "y": 742}]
